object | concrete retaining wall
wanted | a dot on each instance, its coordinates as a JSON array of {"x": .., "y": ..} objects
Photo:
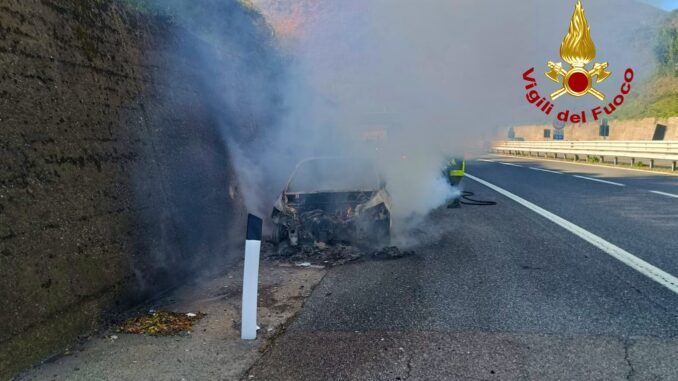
[
  {"x": 642, "y": 129},
  {"x": 114, "y": 182}
]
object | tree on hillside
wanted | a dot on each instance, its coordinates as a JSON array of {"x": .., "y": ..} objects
[
  {"x": 667, "y": 46},
  {"x": 658, "y": 97}
]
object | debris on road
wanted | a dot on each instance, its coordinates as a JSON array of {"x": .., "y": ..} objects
[
  {"x": 314, "y": 255},
  {"x": 161, "y": 323},
  {"x": 391, "y": 252},
  {"x": 320, "y": 255}
]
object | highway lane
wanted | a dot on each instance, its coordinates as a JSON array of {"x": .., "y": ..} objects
[
  {"x": 641, "y": 178},
  {"x": 630, "y": 216},
  {"x": 500, "y": 292}
]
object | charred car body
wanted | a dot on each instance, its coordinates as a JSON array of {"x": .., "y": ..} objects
[{"x": 333, "y": 200}]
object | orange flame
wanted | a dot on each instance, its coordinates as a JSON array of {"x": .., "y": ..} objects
[
  {"x": 288, "y": 18},
  {"x": 578, "y": 48}
]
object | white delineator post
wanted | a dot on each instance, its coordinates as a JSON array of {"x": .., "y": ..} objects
[{"x": 248, "y": 327}]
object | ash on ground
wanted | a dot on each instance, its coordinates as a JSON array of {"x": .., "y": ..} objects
[{"x": 322, "y": 254}]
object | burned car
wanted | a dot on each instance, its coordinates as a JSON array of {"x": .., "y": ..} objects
[{"x": 333, "y": 200}]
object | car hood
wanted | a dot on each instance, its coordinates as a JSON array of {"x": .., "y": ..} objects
[{"x": 342, "y": 202}]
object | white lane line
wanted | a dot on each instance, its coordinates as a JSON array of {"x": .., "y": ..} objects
[
  {"x": 545, "y": 170},
  {"x": 589, "y": 165},
  {"x": 599, "y": 180},
  {"x": 487, "y": 161},
  {"x": 512, "y": 165},
  {"x": 665, "y": 194},
  {"x": 656, "y": 274}
]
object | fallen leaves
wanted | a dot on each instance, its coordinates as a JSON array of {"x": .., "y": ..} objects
[{"x": 161, "y": 323}]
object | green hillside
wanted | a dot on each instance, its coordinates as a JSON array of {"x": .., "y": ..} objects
[{"x": 659, "y": 96}]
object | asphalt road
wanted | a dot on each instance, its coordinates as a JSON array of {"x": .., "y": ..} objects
[{"x": 501, "y": 293}]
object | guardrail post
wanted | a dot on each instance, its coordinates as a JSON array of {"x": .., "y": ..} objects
[
  {"x": 633, "y": 161},
  {"x": 616, "y": 160},
  {"x": 651, "y": 164},
  {"x": 250, "y": 283}
]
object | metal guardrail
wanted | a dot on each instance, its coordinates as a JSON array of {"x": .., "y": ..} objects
[{"x": 634, "y": 150}]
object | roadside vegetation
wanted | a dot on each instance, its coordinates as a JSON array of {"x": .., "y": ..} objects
[{"x": 659, "y": 96}]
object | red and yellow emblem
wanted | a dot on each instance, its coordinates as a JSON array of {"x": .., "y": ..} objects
[{"x": 578, "y": 50}]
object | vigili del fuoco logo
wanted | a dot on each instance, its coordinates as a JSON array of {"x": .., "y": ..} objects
[{"x": 579, "y": 79}]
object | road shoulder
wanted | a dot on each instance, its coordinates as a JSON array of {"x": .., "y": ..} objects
[{"x": 213, "y": 351}]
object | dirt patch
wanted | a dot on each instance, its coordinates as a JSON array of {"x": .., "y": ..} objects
[{"x": 267, "y": 297}]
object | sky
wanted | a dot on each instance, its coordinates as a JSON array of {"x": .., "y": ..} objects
[{"x": 668, "y": 5}]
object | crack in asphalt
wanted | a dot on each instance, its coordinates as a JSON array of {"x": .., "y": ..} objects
[
  {"x": 408, "y": 363},
  {"x": 652, "y": 300},
  {"x": 409, "y": 368},
  {"x": 627, "y": 345}
]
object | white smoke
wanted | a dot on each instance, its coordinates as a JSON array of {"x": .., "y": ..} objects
[{"x": 428, "y": 78}]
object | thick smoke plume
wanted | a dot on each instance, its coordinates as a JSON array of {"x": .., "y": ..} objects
[
  {"x": 409, "y": 83},
  {"x": 215, "y": 74},
  {"x": 405, "y": 83}
]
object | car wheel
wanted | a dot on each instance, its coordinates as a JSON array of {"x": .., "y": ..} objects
[{"x": 279, "y": 234}]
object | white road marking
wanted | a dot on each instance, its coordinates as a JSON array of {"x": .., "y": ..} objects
[
  {"x": 545, "y": 170},
  {"x": 513, "y": 165},
  {"x": 487, "y": 161},
  {"x": 656, "y": 274},
  {"x": 590, "y": 165},
  {"x": 599, "y": 180},
  {"x": 665, "y": 194}
]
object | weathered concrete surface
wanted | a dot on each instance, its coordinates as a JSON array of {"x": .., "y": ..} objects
[
  {"x": 114, "y": 179},
  {"x": 213, "y": 351},
  {"x": 464, "y": 356},
  {"x": 642, "y": 129}
]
